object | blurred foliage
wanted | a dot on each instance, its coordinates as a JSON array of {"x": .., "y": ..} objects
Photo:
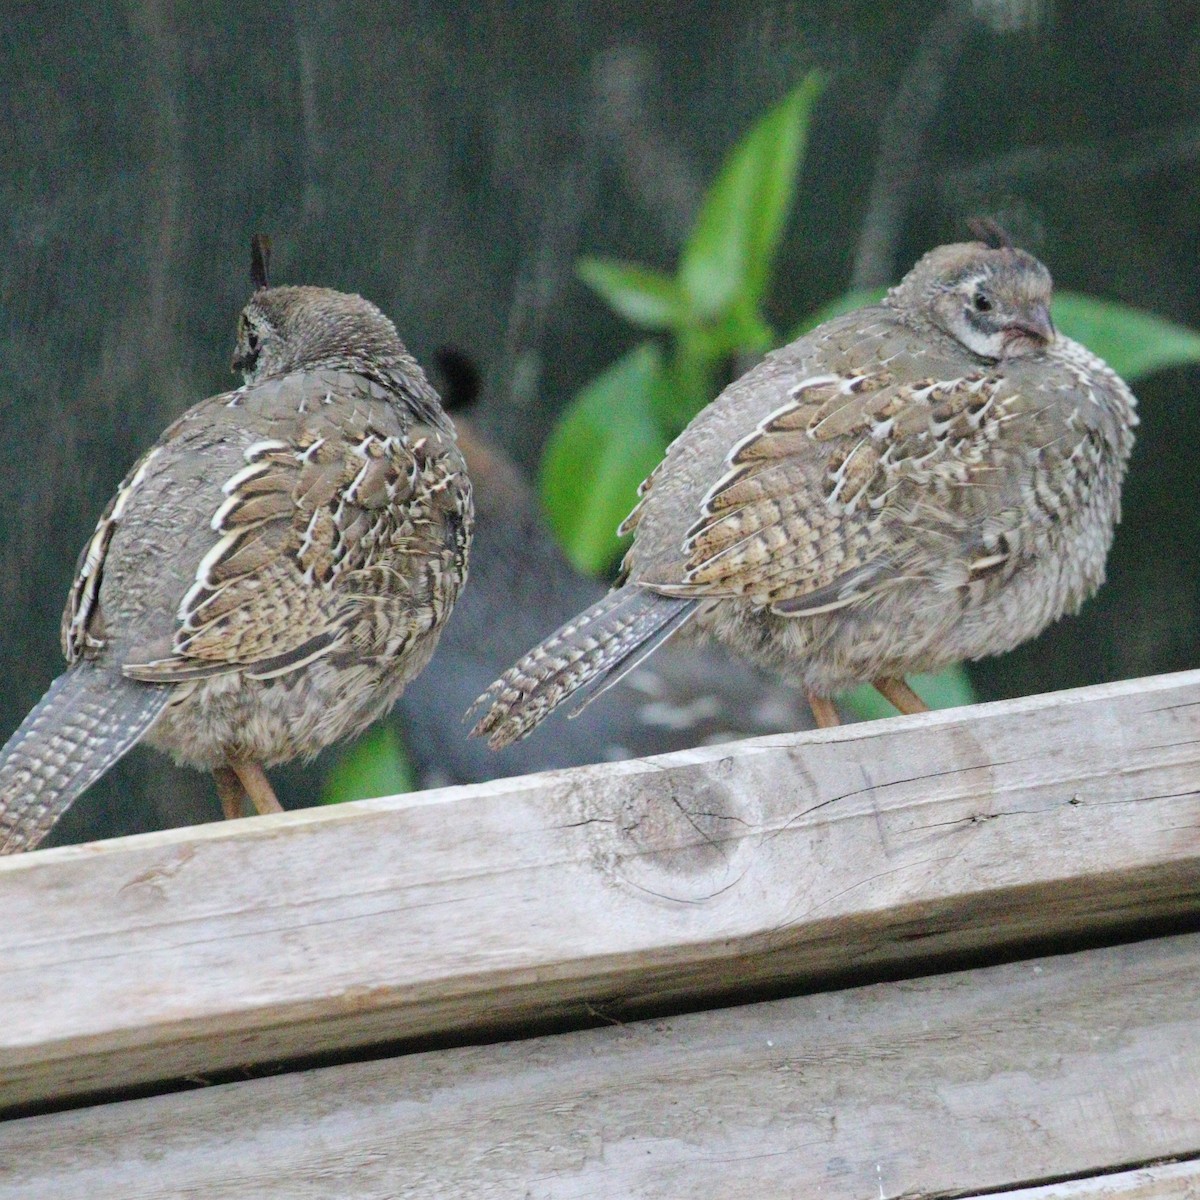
[
  {"x": 607, "y": 442},
  {"x": 618, "y": 427},
  {"x": 374, "y": 764},
  {"x": 1134, "y": 343}
]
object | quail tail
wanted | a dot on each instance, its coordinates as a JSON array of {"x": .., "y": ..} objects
[
  {"x": 593, "y": 651},
  {"x": 86, "y": 721}
]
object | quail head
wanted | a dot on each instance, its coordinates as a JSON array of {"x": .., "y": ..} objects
[
  {"x": 268, "y": 576},
  {"x": 929, "y": 479}
]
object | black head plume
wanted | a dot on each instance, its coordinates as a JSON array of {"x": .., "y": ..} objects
[
  {"x": 260, "y": 260},
  {"x": 991, "y": 233}
]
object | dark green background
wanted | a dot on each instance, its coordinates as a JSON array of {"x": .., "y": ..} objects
[{"x": 450, "y": 161}]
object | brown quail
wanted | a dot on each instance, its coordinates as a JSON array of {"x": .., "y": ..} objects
[
  {"x": 268, "y": 576},
  {"x": 930, "y": 479}
]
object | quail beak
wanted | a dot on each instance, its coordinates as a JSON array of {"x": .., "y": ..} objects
[{"x": 1035, "y": 324}]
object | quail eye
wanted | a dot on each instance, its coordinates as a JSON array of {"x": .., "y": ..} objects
[
  {"x": 982, "y": 303},
  {"x": 251, "y": 340}
]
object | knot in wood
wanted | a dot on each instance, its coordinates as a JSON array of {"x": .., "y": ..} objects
[{"x": 683, "y": 834}]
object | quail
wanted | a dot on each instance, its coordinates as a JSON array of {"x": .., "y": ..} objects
[
  {"x": 927, "y": 480},
  {"x": 268, "y": 576}
]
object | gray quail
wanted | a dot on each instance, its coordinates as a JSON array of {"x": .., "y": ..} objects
[
  {"x": 926, "y": 480},
  {"x": 268, "y": 576}
]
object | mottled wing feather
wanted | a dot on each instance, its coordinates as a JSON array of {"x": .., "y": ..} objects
[
  {"x": 82, "y": 631},
  {"x": 409, "y": 580},
  {"x": 345, "y": 511},
  {"x": 793, "y": 521},
  {"x": 319, "y": 532}
]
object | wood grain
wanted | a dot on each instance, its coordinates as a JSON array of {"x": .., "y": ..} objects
[
  {"x": 944, "y": 1086},
  {"x": 632, "y": 885}
]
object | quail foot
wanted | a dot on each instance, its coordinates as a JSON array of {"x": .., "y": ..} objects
[
  {"x": 930, "y": 479},
  {"x": 268, "y": 576}
]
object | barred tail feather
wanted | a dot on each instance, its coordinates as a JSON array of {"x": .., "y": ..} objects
[
  {"x": 593, "y": 651},
  {"x": 86, "y": 721}
]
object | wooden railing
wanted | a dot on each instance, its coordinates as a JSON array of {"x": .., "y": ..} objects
[{"x": 933, "y": 956}]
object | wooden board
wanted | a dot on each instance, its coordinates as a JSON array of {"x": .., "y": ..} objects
[
  {"x": 1167, "y": 1181},
  {"x": 944, "y": 1086},
  {"x": 632, "y": 886}
]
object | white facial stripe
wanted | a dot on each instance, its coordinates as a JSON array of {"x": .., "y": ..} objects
[{"x": 989, "y": 345}]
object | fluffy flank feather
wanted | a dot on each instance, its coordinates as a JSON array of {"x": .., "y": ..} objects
[
  {"x": 584, "y": 652},
  {"x": 86, "y": 721}
]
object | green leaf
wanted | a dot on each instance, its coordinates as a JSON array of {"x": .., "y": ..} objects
[
  {"x": 691, "y": 378},
  {"x": 701, "y": 353},
  {"x": 729, "y": 252},
  {"x": 602, "y": 447},
  {"x": 372, "y": 765},
  {"x": 947, "y": 689},
  {"x": 1132, "y": 341},
  {"x": 835, "y": 308},
  {"x": 642, "y": 296},
  {"x": 742, "y": 331}
]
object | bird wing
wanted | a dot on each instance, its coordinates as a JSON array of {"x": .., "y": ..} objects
[
  {"x": 796, "y": 516},
  {"x": 343, "y": 526}
]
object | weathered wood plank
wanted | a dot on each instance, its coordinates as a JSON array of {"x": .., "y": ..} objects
[
  {"x": 629, "y": 884},
  {"x": 943, "y": 1086},
  {"x": 1169, "y": 1181}
]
